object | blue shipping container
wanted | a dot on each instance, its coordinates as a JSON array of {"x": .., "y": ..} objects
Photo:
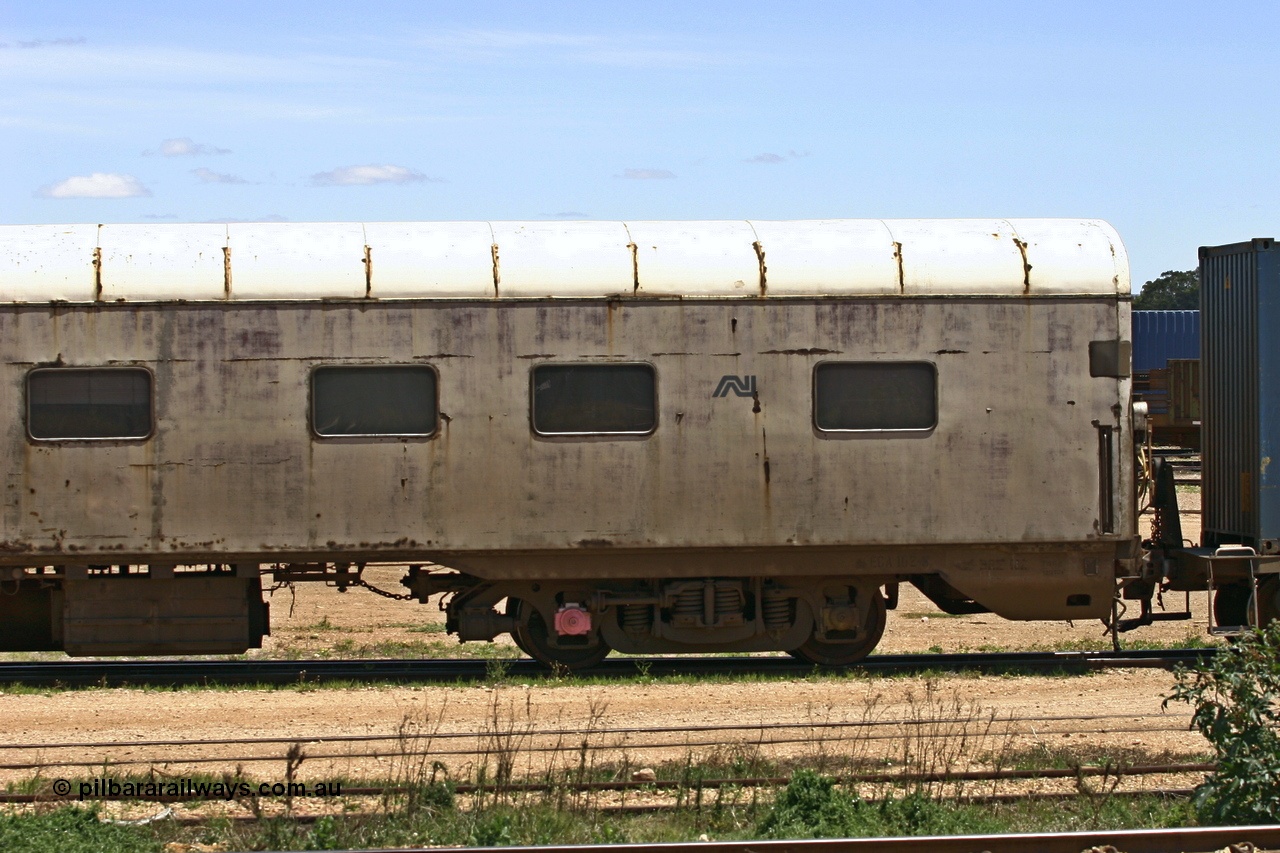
[
  {"x": 1240, "y": 299},
  {"x": 1161, "y": 335}
]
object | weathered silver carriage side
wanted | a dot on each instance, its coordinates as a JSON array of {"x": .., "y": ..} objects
[
  {"x": 1238, "y": 558},
  {"x": 642, "y": 436}
]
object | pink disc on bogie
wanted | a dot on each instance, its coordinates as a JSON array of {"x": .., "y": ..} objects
[{"x": 572, "y": 621}]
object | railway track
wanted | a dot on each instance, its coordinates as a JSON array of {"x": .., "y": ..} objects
[
  {"x": 172, "y": 673},
  {"x": 521, "y": 736}
]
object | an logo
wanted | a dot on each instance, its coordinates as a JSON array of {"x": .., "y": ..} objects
[{"x": 743, "y": 386}]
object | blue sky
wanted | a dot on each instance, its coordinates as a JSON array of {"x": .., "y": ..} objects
[{"x": 1159, "y": 117}]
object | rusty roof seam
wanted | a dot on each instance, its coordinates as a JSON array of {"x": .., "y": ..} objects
[
  {"x": 368, "y": 261},
  {"x": 635, "y": 260},
  {"x": 758, "y": 246},
  {"x": 493, "y": 259}
]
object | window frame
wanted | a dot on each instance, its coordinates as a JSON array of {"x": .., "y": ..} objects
[
  {"x": 388, "y": 436},
  {"x": 94, "y": 368},
  {"x": 828, "y": 431},
  {"x": 614, "y": 434}
]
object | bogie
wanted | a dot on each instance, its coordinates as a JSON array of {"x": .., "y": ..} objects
[{"x": 576, "y": 626}]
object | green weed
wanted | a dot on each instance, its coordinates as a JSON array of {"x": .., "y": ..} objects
[
  {"x": 71, "y": 830},
  {"x": 1235, "y": 700}
]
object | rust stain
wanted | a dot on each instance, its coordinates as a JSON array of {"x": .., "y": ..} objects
[
  {"x": 764, "y": 283},
  {"x": 635, "y": 267},
  {"x": 497, "y": 275},
  {"x": 97, "y": 273},
  {"x": 897, "y": 256},
  {"x": 809, "y": 351},
  {"x": 226, "y": 272},
  {"x": 368, "y": 272},
  {"x": 259, "y": 342},
  {"x": 610, "y": 309},
  {"x": 1026, "y": 267},
  {"x": 764, "y": 454}
]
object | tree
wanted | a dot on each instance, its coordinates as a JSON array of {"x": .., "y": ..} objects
[{"x": 1172, "y": 291}]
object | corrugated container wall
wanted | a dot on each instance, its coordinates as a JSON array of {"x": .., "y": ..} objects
[
  {"x": 1240, "y": 399},
  {"x": 1161, "y": 335}
]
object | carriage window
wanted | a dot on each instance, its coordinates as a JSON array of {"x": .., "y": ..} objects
[
  {"x": 68, "y": 403},
  {"x": 856, "y": 396},
  {"x": 594, "y": 399},
  {"x": 374, "y": 401}
]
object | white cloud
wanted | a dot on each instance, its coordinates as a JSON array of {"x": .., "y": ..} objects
[
  {"x": 97, "y": 185},
  {"x": 208, "y": 176},
  {"x": 161, "y": 69},
  {"x": 634, "y": 50},
  {"x": 185, "y": 147},
  {"x": 353, "y": 176},
  {"x": 647, "y": 174},
  {"x": 62, "y": 42},
  {"x": 270, "y": 217},
  {"x": 770, "y": 158}
]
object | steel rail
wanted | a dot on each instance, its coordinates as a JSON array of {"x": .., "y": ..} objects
[
  {"x": 629, "y": 808},
  {"x": 968, "y": 799},
  {"x": 1200, "y": 839},
  {"x": 1048, "y": 773},
  {"x": 908, "y": 722},
  {"x": 455, "y": 753},
  {"x": 172, "y": 673}
]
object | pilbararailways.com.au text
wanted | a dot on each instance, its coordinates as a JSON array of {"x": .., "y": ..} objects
[{"x": 195, "y": 789}]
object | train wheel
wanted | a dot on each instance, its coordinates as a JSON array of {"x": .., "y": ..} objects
[
  {"x": 825, "y": 653},
  {"x": 513, "y": 610},
  {"x": 533, "y": 638},
  {"x": 1232, "y": 605},
  {"x": 1268, "y": 601}
]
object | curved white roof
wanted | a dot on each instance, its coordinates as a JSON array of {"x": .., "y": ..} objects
[{"x": 521, "y": 260}]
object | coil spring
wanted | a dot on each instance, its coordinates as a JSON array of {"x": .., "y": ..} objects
[
  {"x": 777, "y": 611},
  {"x": 636, "y": 618},
  {"x": 727, "y": 600},
  {"x": 689, "y": 602}
]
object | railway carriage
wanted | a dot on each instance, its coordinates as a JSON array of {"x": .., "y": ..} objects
[{"x": 642, "y": 436}]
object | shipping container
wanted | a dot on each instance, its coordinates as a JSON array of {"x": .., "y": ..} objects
[
  {"x": 1163, "y": 340},
  {"x": 1240, "y": 341},
  {"x": 1162, "y": 335}
]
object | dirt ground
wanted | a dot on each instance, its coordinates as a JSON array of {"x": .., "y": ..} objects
[{"x": 1119, "y": 710}]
